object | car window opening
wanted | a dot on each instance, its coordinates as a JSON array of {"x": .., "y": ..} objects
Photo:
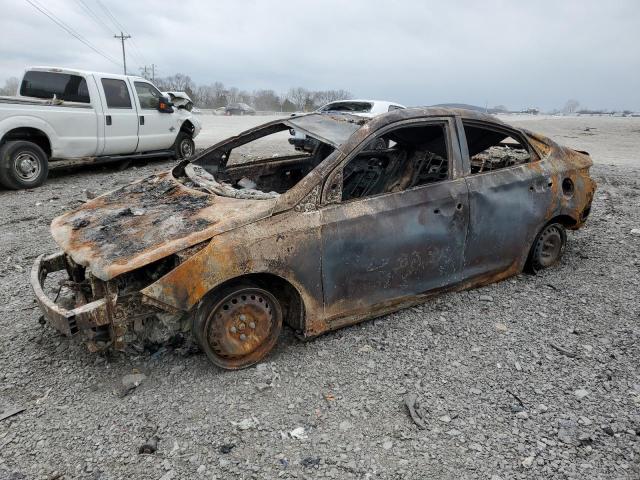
[
  {"x": 399, "y": 160},
  {"x": 259, "y": 168},
  {"x": 352, "y": 107},
  {"x": 492, "y": 149},
  {"x": 62, "y": 86}
]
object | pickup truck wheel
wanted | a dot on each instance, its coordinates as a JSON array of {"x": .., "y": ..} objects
[
  {"x": 238, "y": 326},
  {"x": 548, "y": 247},
  {"x": 22, "y": 165},
  {"x": 185, "y": 146}
]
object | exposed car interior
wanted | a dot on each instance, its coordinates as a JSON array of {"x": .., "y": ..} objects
[
  {"x": 399, "y": 160},
  {"x": 263, "y": 166},
  {"x": 491, "y": 149}
]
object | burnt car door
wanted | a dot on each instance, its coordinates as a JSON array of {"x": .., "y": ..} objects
[
  {"x": 399, "y": 221},
  {"x": 509, "y": 195}
]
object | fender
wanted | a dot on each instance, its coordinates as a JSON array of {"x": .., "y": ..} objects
[
  {"x": 251, "y": 249},
  {"x": 28, "y": 121}
]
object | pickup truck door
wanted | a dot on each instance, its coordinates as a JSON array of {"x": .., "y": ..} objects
[
  {"x": 120, "y": 116},
  {"x": 157, "y": 130}
]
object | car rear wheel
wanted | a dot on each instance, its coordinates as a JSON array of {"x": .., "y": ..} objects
[
  {"x": 22, "y": 165},
  {"x": 548, "y": 247},
  {"x": 238, "y": 326}
]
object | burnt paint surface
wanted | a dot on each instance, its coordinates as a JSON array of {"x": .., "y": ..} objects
[
  {"x": 364, "y": 258},
  {"x": 146, "y": 221},
  {"x": 393, "y": 245}
]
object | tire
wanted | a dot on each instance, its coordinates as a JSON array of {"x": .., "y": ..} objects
[
  {"x": 237, "y": 326},
  {"x": 184, "y": 146},
  {"x": 22, "y": 165},
  {"x": 547, "y": 248}
]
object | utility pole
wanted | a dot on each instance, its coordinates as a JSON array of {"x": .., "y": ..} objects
[
  {"x": 122, "y": 38},
  {"x": 153, "y": 72}
]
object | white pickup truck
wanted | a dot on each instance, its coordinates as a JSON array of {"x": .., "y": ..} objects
[{"x": 62, "y": 117}]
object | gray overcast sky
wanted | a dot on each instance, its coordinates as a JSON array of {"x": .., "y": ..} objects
[{"x": 416, "y": 52}]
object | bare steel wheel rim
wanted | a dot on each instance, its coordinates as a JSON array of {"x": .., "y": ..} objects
[
  {"x": 185, "y": 148},
  {"x": 242, "y": 326},
  {"x": 27, "y": 166},
  {"x": 550, "y": 247}
]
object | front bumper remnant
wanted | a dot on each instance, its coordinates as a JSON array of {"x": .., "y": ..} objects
[{"x": 68, "y": 322}]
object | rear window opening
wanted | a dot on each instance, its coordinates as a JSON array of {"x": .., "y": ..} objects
[
  {"x": 260, "y": 167},
  {"x": 62, "y": 86},
  {"x": 491, "y": 149}
]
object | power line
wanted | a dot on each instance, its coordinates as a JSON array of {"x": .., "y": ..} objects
[
  {"x": 96, "y": 19},
  {"x": 110, "y": 16},
  {"x": 119, "y": 26},
  {"x": 70, "y": 31}
]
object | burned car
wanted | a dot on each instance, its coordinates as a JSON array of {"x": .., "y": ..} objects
[{"x": 247, "y": 236}]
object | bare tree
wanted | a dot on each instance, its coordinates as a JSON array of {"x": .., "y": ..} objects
[
  {"x": 215, "y": 95},
  {"x": 10, "y": 86},
  {"x": 266, "y": 100},
  {"x": 178, "y": 82},
  {"x": 233, "y": 95},
  {"x": 299, "y": 97},
  {"x": 571, "y": 106}
]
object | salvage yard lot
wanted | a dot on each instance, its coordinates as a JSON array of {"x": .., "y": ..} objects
[{"x": 536, "y": 376}]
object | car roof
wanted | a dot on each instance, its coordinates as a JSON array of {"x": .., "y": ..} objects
[
  {"x": 378, "y": 103},
  {"x": 449, "y": 112},
  {"x": 336, "y": 128}
]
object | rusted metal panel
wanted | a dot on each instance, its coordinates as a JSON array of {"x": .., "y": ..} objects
[
  {"x": 148, "y": 220},
  {"x": 68, "y": 322},
  {"x": 286, "y": 245}
]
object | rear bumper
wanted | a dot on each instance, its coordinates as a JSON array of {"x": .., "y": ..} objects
[{"x": 68, "y": 322}]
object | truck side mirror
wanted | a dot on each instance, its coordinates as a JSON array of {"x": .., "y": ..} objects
[{"x": 165, "y": 106}]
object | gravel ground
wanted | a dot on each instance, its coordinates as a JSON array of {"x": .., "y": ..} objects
[{"x": 498, "y": 399}]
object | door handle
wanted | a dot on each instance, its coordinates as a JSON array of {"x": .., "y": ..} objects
[
  {"x": 141, "y": 119},
  {"x": 108, "y": 119}
]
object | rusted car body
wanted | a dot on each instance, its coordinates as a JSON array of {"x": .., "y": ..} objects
[{"x": 446, "y": 199}]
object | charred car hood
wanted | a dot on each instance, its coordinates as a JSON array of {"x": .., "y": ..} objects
[{"x": 146, "y": 221}]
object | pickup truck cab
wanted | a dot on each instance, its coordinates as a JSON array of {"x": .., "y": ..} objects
[{"x": 62, "y": 117}]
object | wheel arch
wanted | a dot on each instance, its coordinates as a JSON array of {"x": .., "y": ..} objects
[
  {"x": 290, "y": 299},
  {"x": 566, "y": 221},
  {"x": 188, "y": 127},
  {"x": 29, "y": 134}
]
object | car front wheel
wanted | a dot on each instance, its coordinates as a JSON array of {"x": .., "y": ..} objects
[
  {"x": 237, "y": 326},
  {"x": 184, "y": 146},
  {"x": 547, "y": 248},
  {"x": 22, "y": 165}
]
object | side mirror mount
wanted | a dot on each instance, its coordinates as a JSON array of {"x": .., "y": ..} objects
[{"x": 165, "y": 106}]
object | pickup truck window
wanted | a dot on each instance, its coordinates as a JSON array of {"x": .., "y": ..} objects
[
  {"x": 71, "y": 88},
  {"x": 116, "y": 93},
  {"x": 148, "y": 95}
]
